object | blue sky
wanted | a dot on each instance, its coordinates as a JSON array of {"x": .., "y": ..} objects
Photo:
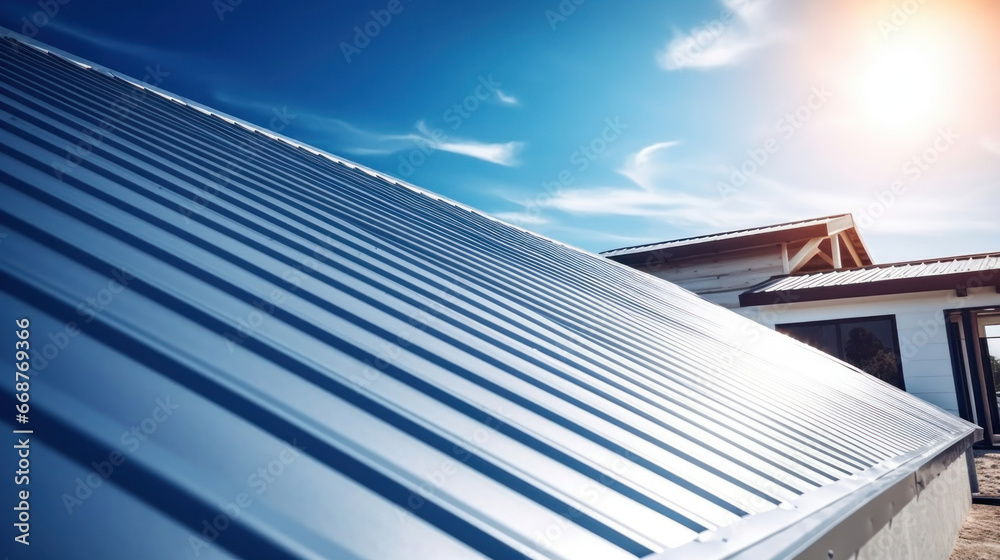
[{"x": 607, "y": 124}]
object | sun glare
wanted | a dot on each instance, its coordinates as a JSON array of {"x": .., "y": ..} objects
[
  {"x": 901, "y": 85},
  {"x": 906, "y": 82}
]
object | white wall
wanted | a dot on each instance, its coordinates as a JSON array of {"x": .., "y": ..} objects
[
  {"x": 928, "y": 526},
  {"x": 722, "y": 277},
  {"x": 923, "y": 340}
]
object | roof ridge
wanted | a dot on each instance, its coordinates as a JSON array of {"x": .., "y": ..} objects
[{"x": 721, "y": 233}]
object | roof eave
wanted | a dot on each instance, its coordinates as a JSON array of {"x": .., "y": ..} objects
[
  {"x": 839, "y": 518},
  {"x": 833, "y": 225},
  {"x": 959, "y": 282},
  {"x": 763, "y": 239}
]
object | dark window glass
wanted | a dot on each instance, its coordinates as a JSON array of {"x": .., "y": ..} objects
[
  {"x": 992, "y": 357},
  {"x": 867, "y": 343}
]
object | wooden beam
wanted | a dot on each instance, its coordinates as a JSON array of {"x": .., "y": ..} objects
[
  {"x": 851, "y": 249},
  {"x": 784, "y": 260},
  {"x": 839, "y": 224},
  {"x": 808, "y": 251},
  {"x": 835, "y": 251}
]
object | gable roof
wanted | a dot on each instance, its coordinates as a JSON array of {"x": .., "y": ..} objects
[
  {"x": 417, "y": 378},
  {"x": 952, "y": 273},
  {"x": 746, "y": 238}
]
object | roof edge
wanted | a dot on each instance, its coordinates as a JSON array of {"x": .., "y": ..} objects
[
  {"x": 761, "y": 236},
  {"x": 841, "y": 517},
  {"x": 10, "y": 34},
  {"x": 959, "y": 281},
  {"x": 741, "y": 230}
]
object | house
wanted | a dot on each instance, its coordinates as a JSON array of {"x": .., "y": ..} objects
[
  {"x": 929, "y": 327},
  {"x": 719, "y": 267},
  {"x": 242, "y": 346}
]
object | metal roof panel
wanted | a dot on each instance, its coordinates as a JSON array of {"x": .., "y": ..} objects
[{"x": 445, "y": 384}]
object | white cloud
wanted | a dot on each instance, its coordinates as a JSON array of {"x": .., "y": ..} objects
[
  {"x": 644, "y": 167},
  {"x": 740, "y": 28},
  {"x": 504, "y": 153},
  {"x": 358, "y": 141},
  {"x": 643, "y": 155},
  {"x": 662, "y": 189},
  {"x": 521, "y": 218},
  {"x": 676, "y": 208},
  {"x": 507, "y": 99}
]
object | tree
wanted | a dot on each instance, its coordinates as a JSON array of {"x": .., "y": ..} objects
[
  {"x": 995, "y": 364},
  {"x": 865, "y": 351}
]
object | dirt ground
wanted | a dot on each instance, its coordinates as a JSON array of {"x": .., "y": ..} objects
[
  {"x": 980, "y": 536},
  {"x": 988, "y": 472}
]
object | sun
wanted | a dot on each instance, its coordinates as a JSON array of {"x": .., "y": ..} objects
[
  {"x": 906, "y": 82},
  {"x": 900, "y": 86}
]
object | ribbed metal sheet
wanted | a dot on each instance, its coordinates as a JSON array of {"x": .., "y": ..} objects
[
  {"x": 880, "y": 273},
  {"x": 721, "y": 236},
  {"x": 457, "y": 387}
]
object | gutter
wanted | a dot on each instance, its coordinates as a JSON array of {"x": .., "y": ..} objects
[{"x": 832, "y": 522}]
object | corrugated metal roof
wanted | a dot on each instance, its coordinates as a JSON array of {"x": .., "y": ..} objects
[
  {"x": 884, "y": 272},
  {"x": 381, "y": 373},
  {"x": 666, "y": 245}
]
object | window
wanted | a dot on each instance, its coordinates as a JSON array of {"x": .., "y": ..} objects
[
  {"x": 868, "y": 343},
  {"x": 992, "y": 355}
]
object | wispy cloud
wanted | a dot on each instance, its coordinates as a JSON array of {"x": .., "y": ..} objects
[
  {"x": 504, "y": 153},
  {"x": 644, "y": 166},
  {"x": 507, "y": 99},
  {"x": 741, "y": 27},
  {"x": 521, "y": 218},
  {"x": 133, "y": 49},
  {"x": 359, "y": 141},
  {"x": 663, "y": 189},
  {"x": 685, "y": 195}
]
